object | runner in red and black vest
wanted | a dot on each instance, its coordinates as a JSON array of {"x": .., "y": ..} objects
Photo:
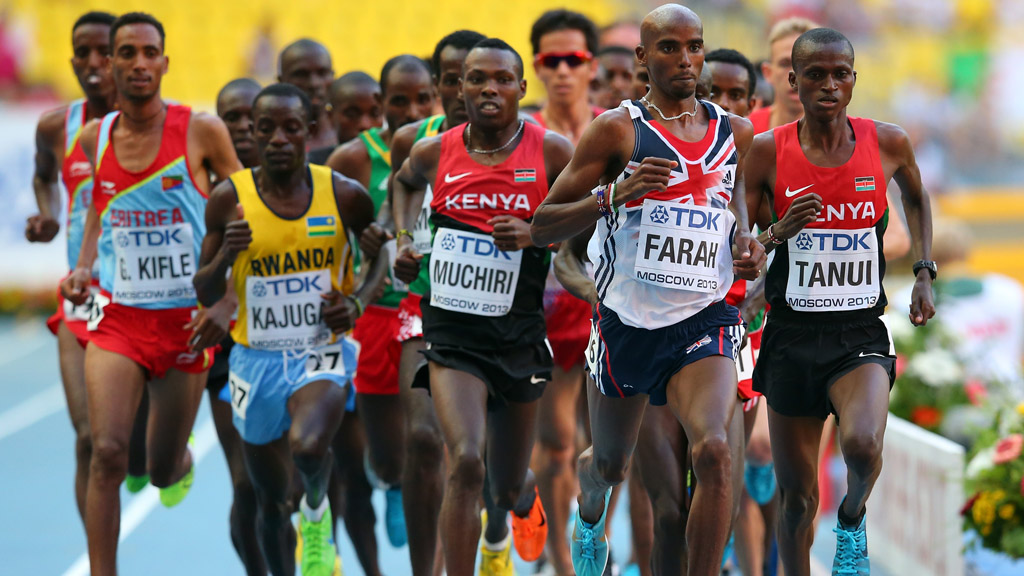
[{"x": 482, "y": 319}]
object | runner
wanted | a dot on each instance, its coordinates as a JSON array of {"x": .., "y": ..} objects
[
  {"x": 563, "y": 46},
  {"x": 615, "y": 71},
  {"x": 283, "y": 230},
  {"x": 489, "y": 366},
  {"x": 153, "y": 162},
  {"x": 354, "y": 105},
  {"x": 686, "y": 334},
  {"x": 408, "y": 97},
  {"x": 307, "y": 64},
  {"x": 422, "y": 472},
  {"x": 826, "y": 347},
  {"x": 786, "y": 107}
]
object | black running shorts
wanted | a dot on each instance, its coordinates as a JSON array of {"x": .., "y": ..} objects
[{"x": 516, "y": 374}]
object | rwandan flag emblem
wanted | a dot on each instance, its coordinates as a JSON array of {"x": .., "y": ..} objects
[
  {"x": 525, "y": 175},
  {"x": 171, "y": 183},
  {"x": 864, "y": 183},
  {"x": 320, "y": 226}
]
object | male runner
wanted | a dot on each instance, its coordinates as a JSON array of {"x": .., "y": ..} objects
[
  {"x": 153, "y": 164},
  {"x": 662, "y": 272},
  {"x": 59, "y": 155},
  {"x": 786, "y": 106},
  {"x": 408, "y": 94},
  {"x": 486, "y": 346},
  {"x": 826, "y": 347},
  {"x": 616, "y": 67},
  {"x": 283, "y": 230},
  {"x": 354, "y": 105},
  {"x": 307, "y": 64},
  {"x": 422, "y": 471}
]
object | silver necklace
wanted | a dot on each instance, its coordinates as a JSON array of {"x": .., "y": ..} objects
[
  {"x": 644, "y": 100},
  {"x": 469, "y": 127}
]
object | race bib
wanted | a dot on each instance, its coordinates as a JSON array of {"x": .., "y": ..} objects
[
  {"x": 82, "y": 312},
  {"x": 240, "y": 392},
  {"x": 153, "y": 264},
  {"x": 681, "y": 245},
  {"x": 833, "y": 270},
  {"x": 469, "y": 274},
  {"x": 593, "y": 346},
  {"x": 390, "y": 248},
  {"x": 285, "y": 312},
  {"x": 746, "y": 357},
  {"x": 99, "y": 302},
  {"x": 326, "y": 360},
  {"x": 421, "y": 237}
]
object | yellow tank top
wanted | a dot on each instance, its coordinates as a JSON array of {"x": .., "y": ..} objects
[{"x": 288, "y": 265}]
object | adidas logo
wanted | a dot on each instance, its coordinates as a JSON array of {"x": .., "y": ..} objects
[{"x": 727, "y": 181}]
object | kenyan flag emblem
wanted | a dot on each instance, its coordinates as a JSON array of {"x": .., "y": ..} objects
[
  {"x": 864, "y": 184},
  {"x": 525, "y": 175}
]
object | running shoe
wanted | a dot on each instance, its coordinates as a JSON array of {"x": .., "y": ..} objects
[
  {"x": 172, "y": 495},
  {"x": 760, "y": 482},
  {"x": 394, "y": 517},
  {"x": 318, "y": 552},
  {"x": 136, "y": 484},
  {"x": 529, "y": 534},
  {"x": 496, "y": 563},
  {"x": 589, "y": 545},
  {"x": 851, "y": 550}
]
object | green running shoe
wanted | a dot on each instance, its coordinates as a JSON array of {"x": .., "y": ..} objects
[
  {"x": 136, "y": 484},
  {"x": 172, "y": 495},
  {"x": 318, "y": 552}
]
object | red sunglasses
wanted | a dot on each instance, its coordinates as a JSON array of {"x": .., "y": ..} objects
[{"x": 572, "y": 59}]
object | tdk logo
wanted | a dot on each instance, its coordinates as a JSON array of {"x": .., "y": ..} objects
[
  {"x": 833, "y": 241},
  {"x": 448, "y": 242},
  {"x": 659, "y": 215},
  {"x": 149, "y": 237},
  {"x": 685, "y": 217},
  {"x": 287, "y": 286},
  {"x": 259, "y": 289},
  {"x": 474, "y": 246}
]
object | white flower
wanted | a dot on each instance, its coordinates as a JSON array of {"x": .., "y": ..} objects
[
  {"x": 936, "y": 367},
  {"x": 901, "y": 328},
  {"x": 982, "y": 461}
]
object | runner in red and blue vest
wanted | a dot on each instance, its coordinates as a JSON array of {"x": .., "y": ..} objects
[
  {"x": 826, "y": 347},
  {"x": 671, "y": 232},
  {"x": 59, "y": 157},
  {"x": 153, "y": 162},
  {"x": 422, "y": 470},
  {"x": 482, "y": 319}
]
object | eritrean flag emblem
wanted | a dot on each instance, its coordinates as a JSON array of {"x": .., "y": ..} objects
[
  {"x": 864, "y": 184},
  {"x": 171, "y": 183},
  {"x": 320, "y": 226},
  {"x": 526, "y": 175}
]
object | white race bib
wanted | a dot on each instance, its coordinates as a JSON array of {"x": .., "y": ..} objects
[
  {"x": 469, "y": 274},
  {"x": 240, "y": 392},
  {"x": 99, "y": 302},
  {"x": 153, "y": 264},
  {"x": 421, "y": 233},
  {"x": 681, "y": 245},
  {"x": 83, "y": 312},
  {"x": 284, "y": 312},
  {"x": 326, "y": 360},
  {"x": 390, "y": 249},
  {"x": 746, "y": 357},
  {"x": 833, "y": 270}
]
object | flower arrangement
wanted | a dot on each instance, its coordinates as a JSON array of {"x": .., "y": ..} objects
[{"x": 995, "y": 478}]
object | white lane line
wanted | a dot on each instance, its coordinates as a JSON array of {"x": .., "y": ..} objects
[
  {"x": 28, "y": 412},
  {"x": 817, "y": 568},
  {"x": 20, "y": 352},
  {"x": 144, "y": 503}
]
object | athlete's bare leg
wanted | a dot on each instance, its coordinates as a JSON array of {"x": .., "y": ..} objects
[
  {"x": 137, "y": 445},
  {"x": 270, "y": 468},
  {"x": 351, "y": 492},
  {"x": 423, "y": 473},
  {"x": 173, "y": 404},
  {"x": 72, "y": 372},
  {"x": 755, "y": 523},
  {"x": 795, "y": 449},
  {"x": 460, "y": 400},
  {"x": 660, "y": 457},
  {"x": 703, "y": 397},
  {"x": 511, "y": 484},
  {"x": 242, "y": 518},
  {"x": 556, "y": 458},
  {"x": 641, "y": 519},
  {"x": 385, "y": 434}
]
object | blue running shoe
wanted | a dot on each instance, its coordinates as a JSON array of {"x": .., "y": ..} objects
[
  {"x": 760, "y": 482},
  {"x": 851, "y": 551},
  {"x": 589, "y": 546},
  {"x": 394, "y": 517}
]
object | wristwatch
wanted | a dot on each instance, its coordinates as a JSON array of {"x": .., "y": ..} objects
[{"x": 926, "y": 264}]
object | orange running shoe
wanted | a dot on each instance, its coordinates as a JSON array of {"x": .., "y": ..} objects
[{"x": 530, "y": 534}]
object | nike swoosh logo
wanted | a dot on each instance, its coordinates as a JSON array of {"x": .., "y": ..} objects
[
  {"x": 448, "y": 178},
  {"x": 797, "y": 191},
  {"x": 535, "y": 380},
  {"x": 863, "y": 354}
]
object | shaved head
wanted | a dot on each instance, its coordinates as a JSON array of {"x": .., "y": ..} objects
[
  {"x": 665, "y": 17},
  {"x": 295, "y": 49}
]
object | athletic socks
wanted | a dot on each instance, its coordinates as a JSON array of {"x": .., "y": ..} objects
[
  {"x": 499, "y": 546},
  {"x": 313, "y": 515},
  {"x": 846, "y": 521}
]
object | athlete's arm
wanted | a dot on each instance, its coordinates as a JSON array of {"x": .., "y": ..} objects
[
  {"x": 747, "y": 253},
  {"x": 42, "y": 227},
  {"x": 409, "y": 185},
  {"x": 352, "y": 160},
  {"x": 401, "y": 147},
  {"x": 896, "y": 239},
  {"x": 217, "y": 151},
  {"x": 227, "y": 234},
  {"x": 76, "y": 286},
  {"x": 571, "y": 270},
  {"x": 898, "y": 152},
  {"x": 356, "y": 210}
]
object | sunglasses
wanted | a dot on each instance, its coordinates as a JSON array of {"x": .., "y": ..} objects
[{"x": 554, "y": 59}]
